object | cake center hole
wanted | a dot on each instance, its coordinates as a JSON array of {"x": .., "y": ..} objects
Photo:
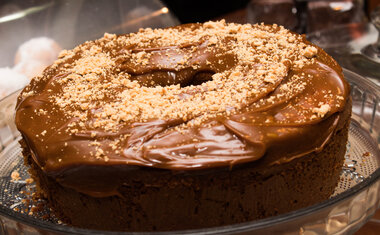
[
  {"x": 198, "y": 79},
  {"x": 167, "y": 78}
]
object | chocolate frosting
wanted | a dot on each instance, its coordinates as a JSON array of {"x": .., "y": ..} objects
[{"x": 274, "y": 125}]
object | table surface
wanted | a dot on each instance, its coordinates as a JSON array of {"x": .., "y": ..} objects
[{"x": 372, "y": 227}]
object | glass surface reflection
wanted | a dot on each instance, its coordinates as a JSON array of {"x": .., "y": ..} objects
[{"x": 353, "y": 46}]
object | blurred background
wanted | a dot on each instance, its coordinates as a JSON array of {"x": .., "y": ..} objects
[{"x": 342, "y": 27}]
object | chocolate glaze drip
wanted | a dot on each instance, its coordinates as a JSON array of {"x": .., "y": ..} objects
[{"x": 270, "y": 129}]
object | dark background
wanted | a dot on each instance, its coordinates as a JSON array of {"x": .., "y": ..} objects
[
  {"x": 191, "y": 11},
  {"x": 203, "y": 10}
]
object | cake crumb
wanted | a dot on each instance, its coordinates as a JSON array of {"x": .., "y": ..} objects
[
  {"x": 310, "y": 51},
  {"x": 15, "y": 175},
  {"x": 322, "y": 110},
  {"x": 29, "y": 180},
  {"x": 366, "y": 154}
]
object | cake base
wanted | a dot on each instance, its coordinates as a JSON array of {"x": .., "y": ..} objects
[{"x": 163, "y": 200}]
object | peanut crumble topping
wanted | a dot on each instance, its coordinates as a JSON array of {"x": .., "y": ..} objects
[
  {"x": 98, "y": 76},
  {"x": 182, "y": 97}
]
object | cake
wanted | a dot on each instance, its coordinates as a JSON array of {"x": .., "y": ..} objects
[{"x": 194, "y": 126}]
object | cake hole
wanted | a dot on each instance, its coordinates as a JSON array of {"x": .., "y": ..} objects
[
  {"x": 199, "y": 78},
  {"x": 185, "y": 78}
]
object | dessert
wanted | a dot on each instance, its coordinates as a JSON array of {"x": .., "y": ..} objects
[{"x": 194, "y": 126}]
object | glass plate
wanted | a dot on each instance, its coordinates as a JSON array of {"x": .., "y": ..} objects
[{"x": 356, "y": 198}]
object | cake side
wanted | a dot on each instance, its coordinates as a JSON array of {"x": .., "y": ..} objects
[
  {"x": 189, "y": 123},
  {"x": 166, "y": 201}
]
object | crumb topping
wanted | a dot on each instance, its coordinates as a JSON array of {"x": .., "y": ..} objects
[
  {"x": 96, "y": 83},
  {"x": 322, "y": 110},
  {"x": 181, "y": 97}
]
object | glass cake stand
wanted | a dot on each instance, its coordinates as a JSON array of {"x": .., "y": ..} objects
[{"x": 356, "y": 198}]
